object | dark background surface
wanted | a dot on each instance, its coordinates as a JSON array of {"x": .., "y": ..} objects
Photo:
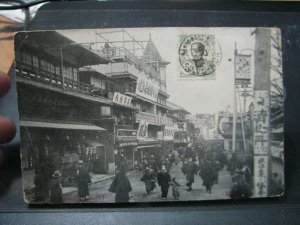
[{"x": 284, "y": 210}]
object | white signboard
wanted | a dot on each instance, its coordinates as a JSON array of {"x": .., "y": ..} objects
[
  {"x": 169, "y": 133},
  {"x": 180, "y": 126},
  {"x": 143, "y": 130},
  {"x": 122, "y": 99},
  {"x": 162, "y": 120},
  {"x": 242, "y": 69},
  {"x": 261, "y": 123},
  {"x": 147, "y": 88},
  {"x": 261, "y": 176}
]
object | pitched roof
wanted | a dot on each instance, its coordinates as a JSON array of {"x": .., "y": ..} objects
[{"x": 151, "y": 52}]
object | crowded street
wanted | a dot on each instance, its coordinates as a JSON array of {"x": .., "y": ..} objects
[
  {"x": 137, "y": 134},
  {"x": 99, "y": 191}
]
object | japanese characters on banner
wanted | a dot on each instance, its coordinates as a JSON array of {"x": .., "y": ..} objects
[
  {"x": 122, "y": 99},
  {"x": 261, "y": 122},
  {"x": 162, "y": 120},
  {"x": 261, "y": 142},
  {"x": 169, "y": 133},
  {"x": 261, "y": 176},
  {"x": 143, "y": 130},
  {"x": 147, "y": 88},
  {"x": 242, "y": 69},
  {"x": 180, "y": 126}
]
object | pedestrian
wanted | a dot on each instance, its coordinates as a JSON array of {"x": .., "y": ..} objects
[
  {"x": 175, "y": 188},
  {"x": 84, "y": 179},
  {"x": 43, "y": 171},
  {"x": 149, "y": 179},
  {"x": 189, "y": 169},
  {"x": 240, "y": 186},
  {"x": 122, "y": 163},
  {"x": 216, "y": 167},
  {"x": 121, "y": 187},
  {"x": 55, "y": 188},
  {"x": 207, "y": 174},
  {"x": 153, "y": 163},
  {"x": 164, "y": 179}
]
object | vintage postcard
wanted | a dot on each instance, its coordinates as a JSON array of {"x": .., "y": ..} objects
[{"x": 150, "y": 114}]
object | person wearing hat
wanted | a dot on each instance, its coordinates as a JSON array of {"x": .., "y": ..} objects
[
  {"x": 55, "y": 188},
  {"x": 83, "y": 180},
  {"x": 149, "y": 179}
]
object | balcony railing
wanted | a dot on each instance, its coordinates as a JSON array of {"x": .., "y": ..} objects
[
  {"x": 126, "y": 61},
  {"x": 52, "y": 79}
]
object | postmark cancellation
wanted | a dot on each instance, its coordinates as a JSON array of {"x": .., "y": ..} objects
[{"x": 198, "y": 56}]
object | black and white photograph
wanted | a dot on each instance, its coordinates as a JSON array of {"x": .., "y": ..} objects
[{"x": 154, "y": 114}]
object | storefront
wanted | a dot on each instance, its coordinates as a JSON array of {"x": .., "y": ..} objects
[
  {"x": 51, "y": 146},
  {"x": 125, "y": 146}
]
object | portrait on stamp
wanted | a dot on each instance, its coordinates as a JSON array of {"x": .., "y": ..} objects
[{"x": 198, "y": 56}]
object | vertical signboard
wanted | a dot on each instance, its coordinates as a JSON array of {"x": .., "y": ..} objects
[
  {"x": 242, "y": 69},
  {"x": 143, "y": 130},
  {"x": 169, "y": 133},
  {"x": 261, "y": 176},
  {"x": 261, "y": 142},
  {"x": 261, "y": 122}
]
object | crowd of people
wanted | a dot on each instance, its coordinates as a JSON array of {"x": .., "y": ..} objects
[
  {"x": 205, "y": 160},
  {"x": 195, "y": 160}
]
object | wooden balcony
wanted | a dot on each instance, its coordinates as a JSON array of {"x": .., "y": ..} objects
[{"x": 54, "y": 80}]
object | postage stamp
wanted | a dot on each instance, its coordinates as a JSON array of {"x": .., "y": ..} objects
[{"x": 198, "y": 56}]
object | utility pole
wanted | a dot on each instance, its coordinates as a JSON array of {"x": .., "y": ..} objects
[
  {"x": 261, "y": 118},
  {"x": 234, "y": 104}
]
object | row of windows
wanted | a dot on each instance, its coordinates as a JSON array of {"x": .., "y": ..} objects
[
  {"x": 161, "y": 101},
  {"x": 69, "y": 72}
]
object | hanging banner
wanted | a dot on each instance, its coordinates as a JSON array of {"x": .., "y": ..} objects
[
  {"x": 169, "y": 133},
  {"x": 242, "y": 69},
  {"x": 143, "y": 130},
  {"x": 147, "y": 88},
  {"x": 261, "y": 176},
  {"x": 122, "y": 99}
]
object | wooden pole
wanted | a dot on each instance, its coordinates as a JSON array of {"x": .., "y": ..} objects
[
  {"x": 261, "y": 118},
  {"x": 234, "y": 104}
]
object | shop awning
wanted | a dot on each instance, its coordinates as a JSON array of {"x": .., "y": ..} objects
[{"x": 60, "y": 125}]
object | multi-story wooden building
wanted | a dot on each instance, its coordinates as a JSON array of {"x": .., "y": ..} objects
[
  {"x": 140, "y": 72},
  {"x": 57, "y": 110}
]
